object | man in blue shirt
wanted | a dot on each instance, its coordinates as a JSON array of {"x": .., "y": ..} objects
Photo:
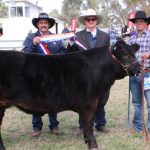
[
  {"x": 31, "y": 45},
  {"x": 142, "y": 37}
]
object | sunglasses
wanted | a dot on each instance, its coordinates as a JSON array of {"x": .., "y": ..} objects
[{"x": 90, "y": 19}]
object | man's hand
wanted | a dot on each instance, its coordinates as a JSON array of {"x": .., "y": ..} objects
[
  {"x": 145, "y": 56},
  {"x": 36, "y": 40},
  {"x": 72, "y": 40}
]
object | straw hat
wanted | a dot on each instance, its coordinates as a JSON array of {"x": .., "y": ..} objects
[
  {"x": 140, "y": 15},
  {"x": 43, "y": 16},
  {"x": 88, "y": 13}
]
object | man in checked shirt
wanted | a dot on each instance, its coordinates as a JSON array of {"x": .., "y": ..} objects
[{"x": 142, "y": 37}]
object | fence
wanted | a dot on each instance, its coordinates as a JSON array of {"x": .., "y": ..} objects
[{"x": 11, "y": 44}]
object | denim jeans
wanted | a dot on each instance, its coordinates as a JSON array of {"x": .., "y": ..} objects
[
  {"x": 135, "y": 83},
  {"x": 37, "y": 122},
  {"x": 99, "y": 118}
]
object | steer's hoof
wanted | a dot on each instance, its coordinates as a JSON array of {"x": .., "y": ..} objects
[{"x": 94, "y": 149}]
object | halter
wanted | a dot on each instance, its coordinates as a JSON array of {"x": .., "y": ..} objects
[{"x": 125, "y": 67}]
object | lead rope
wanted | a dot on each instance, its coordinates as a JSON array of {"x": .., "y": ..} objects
[
  {"x": 125, "y": 67},
  {"x": 129, "y": 109},
  {"x": 145, "y": 133}
]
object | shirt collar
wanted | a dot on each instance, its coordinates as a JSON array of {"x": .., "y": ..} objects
[
  {"x": 144, "y": 33},
  {"x": 94, "y": 32},
  {"x": 44, "y": 34}
]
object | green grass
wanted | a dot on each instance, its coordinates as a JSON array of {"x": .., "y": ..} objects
[{"x": 17, "y": 129}]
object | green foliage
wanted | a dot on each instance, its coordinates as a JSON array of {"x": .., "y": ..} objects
[
  {"x": 121, "y": 9},
  {"x": 114, "y": 12},
  {"x": 94, "y": 4},
  {"x": 55, "y": 14},
  {"x": 70, "y": 9},
  {"x": 3, "y": 10}
]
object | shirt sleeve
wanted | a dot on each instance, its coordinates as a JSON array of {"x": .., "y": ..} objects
[{"x": 28, "y": 46}]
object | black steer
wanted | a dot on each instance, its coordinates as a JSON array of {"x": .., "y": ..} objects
[{"x": 75, "y": 81}]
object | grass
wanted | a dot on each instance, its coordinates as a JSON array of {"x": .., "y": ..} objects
[{"x": 17, "y": 129}]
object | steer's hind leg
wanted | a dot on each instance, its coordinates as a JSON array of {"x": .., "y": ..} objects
[
  {"x": 2, "y": 111},
  {"x": 87, "y": 119}
]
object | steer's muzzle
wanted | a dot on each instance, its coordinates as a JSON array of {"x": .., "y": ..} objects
[{"x": 135, "y": 69}]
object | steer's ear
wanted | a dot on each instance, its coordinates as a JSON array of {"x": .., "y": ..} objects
[{"x": 135, "y": 47}]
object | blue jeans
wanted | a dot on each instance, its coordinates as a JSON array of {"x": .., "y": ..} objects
[
  {"x": 37, "y": 122},
  {"x": 135, "y": 83},
  {"x": 99, "y": 118}
]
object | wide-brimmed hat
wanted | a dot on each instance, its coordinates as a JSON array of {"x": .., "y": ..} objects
[
  {"x": 140, "y": 15},
  {"x": 43, "y": 16},
  {"x": 88, "y": 13}
]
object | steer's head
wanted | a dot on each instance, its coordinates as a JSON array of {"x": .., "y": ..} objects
[{"x": 124, "y": 54}]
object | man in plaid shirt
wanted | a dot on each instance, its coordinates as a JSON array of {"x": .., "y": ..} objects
[{"x": 142, "y": 37}]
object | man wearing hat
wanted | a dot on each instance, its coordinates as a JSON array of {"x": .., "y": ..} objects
[
  {"x": 31, "y": 45},
  {"x": 88, "y": 38},
  {"x": 142, "y": 37}
]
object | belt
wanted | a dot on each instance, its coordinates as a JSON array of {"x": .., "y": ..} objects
[{"x": 145, "y": 70}]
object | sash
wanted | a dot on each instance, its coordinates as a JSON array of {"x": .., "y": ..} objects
[
  {"x": 81, "y": 45},
  {"x": 43, "y": 49},
  {"x": 55, "y": 37}
]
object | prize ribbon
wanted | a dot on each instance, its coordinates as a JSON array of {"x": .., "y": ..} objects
[{"x": 57, "y": 37}]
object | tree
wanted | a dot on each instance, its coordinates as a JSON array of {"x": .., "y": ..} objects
[
  {"x": 118, "y": 14},
  {"x": 70, "y": 9},
  {"x": 138, "y": 4},
  {"x": 114, "y": 12},
  {"x": 94, "y": 4},
  {"x": 55, "y": 14},
  {"x": 3, "y": 10}
]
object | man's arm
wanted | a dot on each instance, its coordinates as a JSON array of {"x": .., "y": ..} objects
[{"x": 28, "y": 45}]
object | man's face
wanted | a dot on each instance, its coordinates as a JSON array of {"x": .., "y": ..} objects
[
  {"x": 91, "y": 22},
  {"x": 43, "y": 25},
  {"x": 140, "y": 24}
]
